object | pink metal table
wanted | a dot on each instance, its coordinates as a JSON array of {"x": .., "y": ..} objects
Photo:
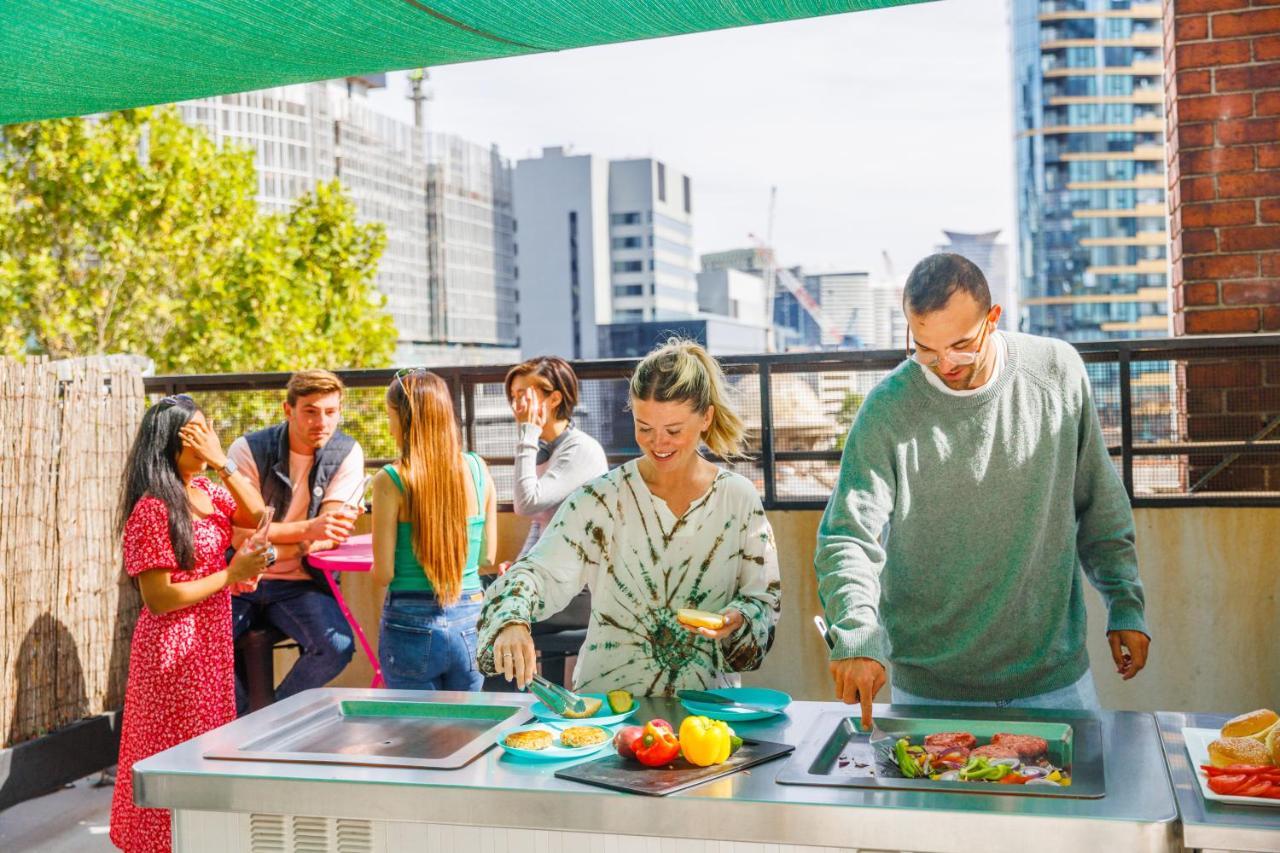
[{"x": 354, "y": 555}]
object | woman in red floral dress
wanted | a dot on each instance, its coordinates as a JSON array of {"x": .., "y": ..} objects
[{"x": 176, "y": 527}]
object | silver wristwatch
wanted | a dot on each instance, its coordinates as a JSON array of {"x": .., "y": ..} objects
[{"x": 230, "y": 468}]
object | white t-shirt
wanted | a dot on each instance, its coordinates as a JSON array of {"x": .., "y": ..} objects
[
  {"x": 1002, "y": 357},
  {"x": 340, "y": 486}
]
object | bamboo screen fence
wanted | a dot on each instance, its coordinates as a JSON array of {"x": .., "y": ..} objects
[{"x": 66, "y": 610}]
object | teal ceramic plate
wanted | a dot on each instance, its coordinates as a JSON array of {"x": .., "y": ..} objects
[
  {"x": 555, "y": 752},
  {"x": 775, "y": 700},
  {"x": 603, "y": 717}
]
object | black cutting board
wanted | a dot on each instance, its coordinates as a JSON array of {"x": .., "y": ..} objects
[{"x": 632, "y": 777}]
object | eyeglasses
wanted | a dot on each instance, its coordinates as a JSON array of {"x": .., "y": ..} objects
[
  {"x": 959, "y": 356},
  {"x": 408, "y": 371}
]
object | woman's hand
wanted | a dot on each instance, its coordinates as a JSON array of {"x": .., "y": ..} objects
[
  {"x": 513, "y": 654},
  {"x": 529, "y": 409},
  {"x": 248, "y": 564},
  {"x": 204, "y": 442},
  {"x": 733, "y": 621}
]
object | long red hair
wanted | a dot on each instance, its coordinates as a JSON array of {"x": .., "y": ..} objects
[{"x": 434, "y": 476}]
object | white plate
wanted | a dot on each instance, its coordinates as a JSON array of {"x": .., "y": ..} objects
[
  {"x": 555, "y": 752},
  {"x": 1197, "y": 741}
]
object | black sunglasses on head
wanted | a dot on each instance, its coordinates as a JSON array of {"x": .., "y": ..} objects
[{"x": 173, "y": 400}]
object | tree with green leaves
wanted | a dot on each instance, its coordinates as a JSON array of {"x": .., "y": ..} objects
[
  {"x": 845, "y": 415},
  {"x": 133, "y": 232}
]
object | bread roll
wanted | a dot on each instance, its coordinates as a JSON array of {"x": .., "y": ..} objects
[
  {"x": 530, "y": 739},
  {"x": 1226, "y": 751},
  {"x": 576, "y": 736},
  {"x": 1255, "y": 724}
]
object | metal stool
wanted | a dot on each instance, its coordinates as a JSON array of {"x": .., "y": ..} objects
[
  {"x": 255, "y": 660},
  {"x": 555, "y": 649}
]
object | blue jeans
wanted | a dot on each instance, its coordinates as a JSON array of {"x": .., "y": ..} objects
[
  {"x": 311, "y": 618},
  {"x": 1081, "y": 696},
  {"x": 423, "y": 645}
]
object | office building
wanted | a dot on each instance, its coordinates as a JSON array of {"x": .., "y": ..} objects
[
  {"x": 600, "y": 242},
  {"x": 1088, "y": 104}
]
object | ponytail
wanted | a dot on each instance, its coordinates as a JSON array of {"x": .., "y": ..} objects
[{"x": 682, "y": 371}]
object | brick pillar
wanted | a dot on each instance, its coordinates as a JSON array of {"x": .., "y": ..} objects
[{"x": 1222, "y": 108}]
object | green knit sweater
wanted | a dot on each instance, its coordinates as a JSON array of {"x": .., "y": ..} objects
[{"x": 952, "y": 543}]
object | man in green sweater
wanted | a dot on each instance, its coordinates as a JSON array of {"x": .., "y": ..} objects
[{"x": 983, "y": 457}]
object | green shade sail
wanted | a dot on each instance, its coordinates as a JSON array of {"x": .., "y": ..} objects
[{"x": 74, "y": 57}]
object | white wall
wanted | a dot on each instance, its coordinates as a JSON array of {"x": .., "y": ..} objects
[{"x": 546, "y": 190}]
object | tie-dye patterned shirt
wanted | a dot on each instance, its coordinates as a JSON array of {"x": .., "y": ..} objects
[{"x": 643, "y": 564}]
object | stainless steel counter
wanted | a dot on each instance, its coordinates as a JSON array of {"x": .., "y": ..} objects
[
  {"x": 1207, "y": 825},
  {"x": 1138, "y": 813}
]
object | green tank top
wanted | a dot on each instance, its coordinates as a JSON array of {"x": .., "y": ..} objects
[{"x": 409, "y": 575}]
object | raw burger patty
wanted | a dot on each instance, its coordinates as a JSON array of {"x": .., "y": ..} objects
[
  {"x": 1026, "y": 746},
  {"x": 958, "y": 753},
  {"x": 993, "y": 750},
  {"x": 947, "y": 740}
]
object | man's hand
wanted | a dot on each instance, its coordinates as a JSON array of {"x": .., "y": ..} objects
[
  {"x": 1129, "y": 651},
  {"x": 333, "y": 525},
  {"x": 858, "y": 680}
]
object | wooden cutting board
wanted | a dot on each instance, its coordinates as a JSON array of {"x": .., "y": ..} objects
[{"x": 631, "y": 777}]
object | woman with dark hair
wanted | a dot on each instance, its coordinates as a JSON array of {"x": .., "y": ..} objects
[
  {"x": 434, "y": 521},
  {"x": 666, "y": 532},
  {"x": 553, "y": 457},
  {"x": 176, "y": 526}
]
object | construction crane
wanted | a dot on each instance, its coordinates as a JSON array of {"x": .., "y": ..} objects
[{"x": 766, "y": 257}]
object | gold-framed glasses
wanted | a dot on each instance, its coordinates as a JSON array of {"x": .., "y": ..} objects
[{"x": 960, "y": 356}]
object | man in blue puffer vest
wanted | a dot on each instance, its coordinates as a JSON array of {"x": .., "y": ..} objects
[{"x": 305, "y": 467}]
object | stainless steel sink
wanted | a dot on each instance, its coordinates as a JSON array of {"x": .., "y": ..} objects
[{"x": 383, "y": 733}]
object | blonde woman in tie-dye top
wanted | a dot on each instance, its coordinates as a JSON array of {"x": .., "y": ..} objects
[{"x": 669, "y": 530}]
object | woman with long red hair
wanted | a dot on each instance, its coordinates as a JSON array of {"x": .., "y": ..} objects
[{"x": 434, "y": 524}]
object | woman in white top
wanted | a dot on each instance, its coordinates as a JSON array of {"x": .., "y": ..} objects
[
  {"x": 553, "y": 457},
  {"x": 669, "y": 530}
]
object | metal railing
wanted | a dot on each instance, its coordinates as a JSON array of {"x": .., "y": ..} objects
[{"x": 1188, "y": 421}]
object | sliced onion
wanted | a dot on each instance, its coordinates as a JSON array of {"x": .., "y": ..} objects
[
  {"x": 950, "y": 776},
  {"x": 1035, "y": 772},
  {"x": 1043, "y": 782},
  {"x": 1007, "y": 762}
]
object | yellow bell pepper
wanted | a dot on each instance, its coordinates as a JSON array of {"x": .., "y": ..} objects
[{"x": 705, "y": 741}]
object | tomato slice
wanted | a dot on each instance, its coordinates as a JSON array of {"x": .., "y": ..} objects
[
  {"x": 1226, "y": 785},
  {"x": 1254, "y": 788}
]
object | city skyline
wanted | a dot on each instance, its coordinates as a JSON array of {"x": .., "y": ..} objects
[{"x": 870, "y": 152}]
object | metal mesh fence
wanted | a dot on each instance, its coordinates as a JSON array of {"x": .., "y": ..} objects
[{"x": 1186, "y": 421}]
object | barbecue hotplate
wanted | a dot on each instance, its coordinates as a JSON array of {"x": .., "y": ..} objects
[
  {"x": 838, "y": 754},
  {"x": 382, "y": 733}
]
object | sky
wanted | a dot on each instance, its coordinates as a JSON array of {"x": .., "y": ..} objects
[{"x": 879, "y": 129}]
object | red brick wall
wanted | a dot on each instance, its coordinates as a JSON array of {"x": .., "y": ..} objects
[{"x": 1222, "y": 100}]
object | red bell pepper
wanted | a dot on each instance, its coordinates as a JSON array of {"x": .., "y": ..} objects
[{"x": 657, "y": 744}]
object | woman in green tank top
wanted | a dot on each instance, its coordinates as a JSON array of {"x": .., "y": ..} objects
[{"x": 434, "y": 524}]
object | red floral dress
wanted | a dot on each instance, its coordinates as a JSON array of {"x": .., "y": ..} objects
[{"x": 181, "y": 665}]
